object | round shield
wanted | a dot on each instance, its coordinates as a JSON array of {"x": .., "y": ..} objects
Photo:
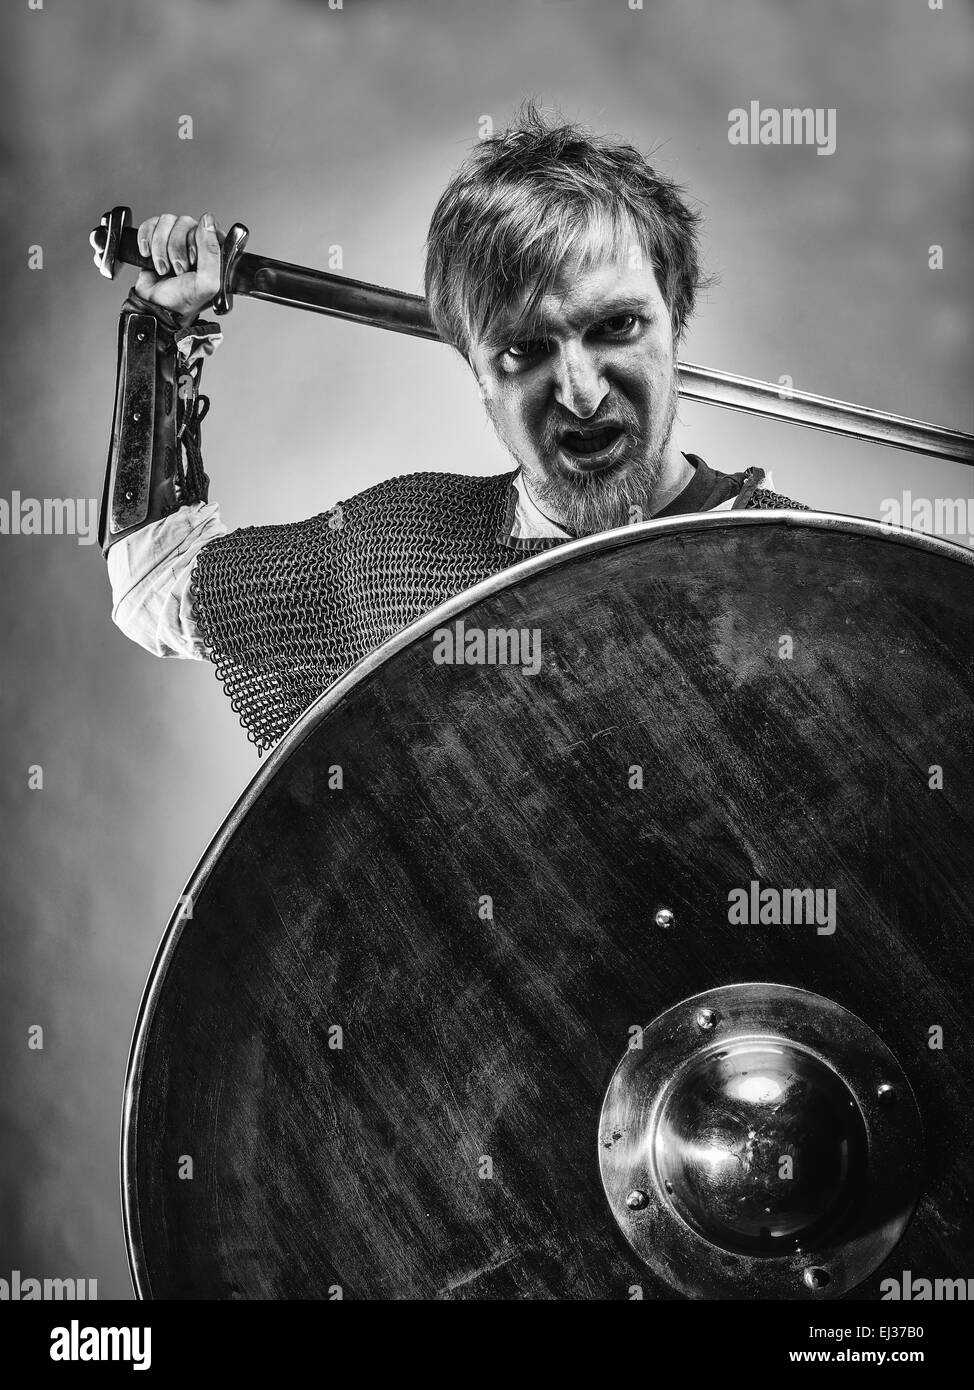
[{"x": 605, "y": 934}]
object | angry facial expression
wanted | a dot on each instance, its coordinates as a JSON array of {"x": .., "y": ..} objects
[{"x": 586, "y": 404}]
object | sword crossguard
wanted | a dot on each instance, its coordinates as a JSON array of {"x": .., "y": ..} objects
[{"x": 233, "y": 244}]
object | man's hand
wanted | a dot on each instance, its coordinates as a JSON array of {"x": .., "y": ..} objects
[{"x": 186, "y": 254}]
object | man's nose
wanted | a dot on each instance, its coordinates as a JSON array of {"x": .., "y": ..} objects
[{"x": 579, "y": 384}]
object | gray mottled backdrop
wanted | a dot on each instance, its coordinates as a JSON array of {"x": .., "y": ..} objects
[{"x": 320, "y": 126}]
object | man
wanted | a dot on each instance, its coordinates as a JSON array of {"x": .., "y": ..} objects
[{"x": 564, "y": 270}]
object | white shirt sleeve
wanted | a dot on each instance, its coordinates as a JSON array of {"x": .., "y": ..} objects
[{"x": 150, "y": 572}]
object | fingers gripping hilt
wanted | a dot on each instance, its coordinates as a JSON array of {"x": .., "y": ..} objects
[{"x": 114, "y": 242}]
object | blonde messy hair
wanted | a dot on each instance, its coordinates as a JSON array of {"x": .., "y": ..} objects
[{"x": 526, "y": 201}]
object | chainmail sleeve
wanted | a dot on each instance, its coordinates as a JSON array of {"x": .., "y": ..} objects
[
  {"x": 284, "y": 610},
  {"x": 764, "y": 499},
  {"x": 263, "y": 598}
]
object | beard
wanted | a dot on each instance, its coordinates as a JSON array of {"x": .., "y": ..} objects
[{"x": 587, "y": 502}]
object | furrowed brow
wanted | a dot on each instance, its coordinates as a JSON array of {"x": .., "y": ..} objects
[
  {"x": 616, "y": 305},
  {"x": 509, "y": 331}
]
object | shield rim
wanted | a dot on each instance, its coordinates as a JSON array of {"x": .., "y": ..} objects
[{"x": 450, "y": 610}]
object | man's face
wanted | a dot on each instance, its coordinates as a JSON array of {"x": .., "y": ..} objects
[{"x": 587, "y": 406}]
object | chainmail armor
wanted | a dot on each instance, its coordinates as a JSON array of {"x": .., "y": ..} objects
[{"x": 285, "y": 610}]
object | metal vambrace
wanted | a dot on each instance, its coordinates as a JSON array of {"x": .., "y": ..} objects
[{"x": 154, "y": 460}]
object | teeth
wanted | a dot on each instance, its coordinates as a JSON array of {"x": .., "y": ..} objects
[{"x": 590, "y": 443}]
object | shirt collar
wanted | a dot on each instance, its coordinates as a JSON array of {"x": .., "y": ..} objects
[{"x": 526, "y": 528}]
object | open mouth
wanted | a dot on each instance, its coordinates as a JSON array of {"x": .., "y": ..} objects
[{"x": 594, "y": 447}]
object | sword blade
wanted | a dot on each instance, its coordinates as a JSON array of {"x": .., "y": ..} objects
[
  {"x": 276, "y": 282},
  {"x": 823, "y": 413},
  {"x": 356, "y": 301}
]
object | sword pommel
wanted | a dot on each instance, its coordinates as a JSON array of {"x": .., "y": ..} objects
[
  {"x": 113, "y": 240},
  {"x": 105, "y": 239}
]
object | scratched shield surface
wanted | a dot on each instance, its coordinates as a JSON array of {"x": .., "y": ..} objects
[{"x": 385, "y": 1033}]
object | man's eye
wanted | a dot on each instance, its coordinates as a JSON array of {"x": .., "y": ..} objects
[
  {"x": 519, "y": 351},
  {"x": 620, "y": 326}
]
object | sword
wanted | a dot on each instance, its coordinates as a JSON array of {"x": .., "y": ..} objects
[{"x": 318, "y": 291}]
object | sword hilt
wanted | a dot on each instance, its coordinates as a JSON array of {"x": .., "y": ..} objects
[{"x": 114, "y": 241}]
